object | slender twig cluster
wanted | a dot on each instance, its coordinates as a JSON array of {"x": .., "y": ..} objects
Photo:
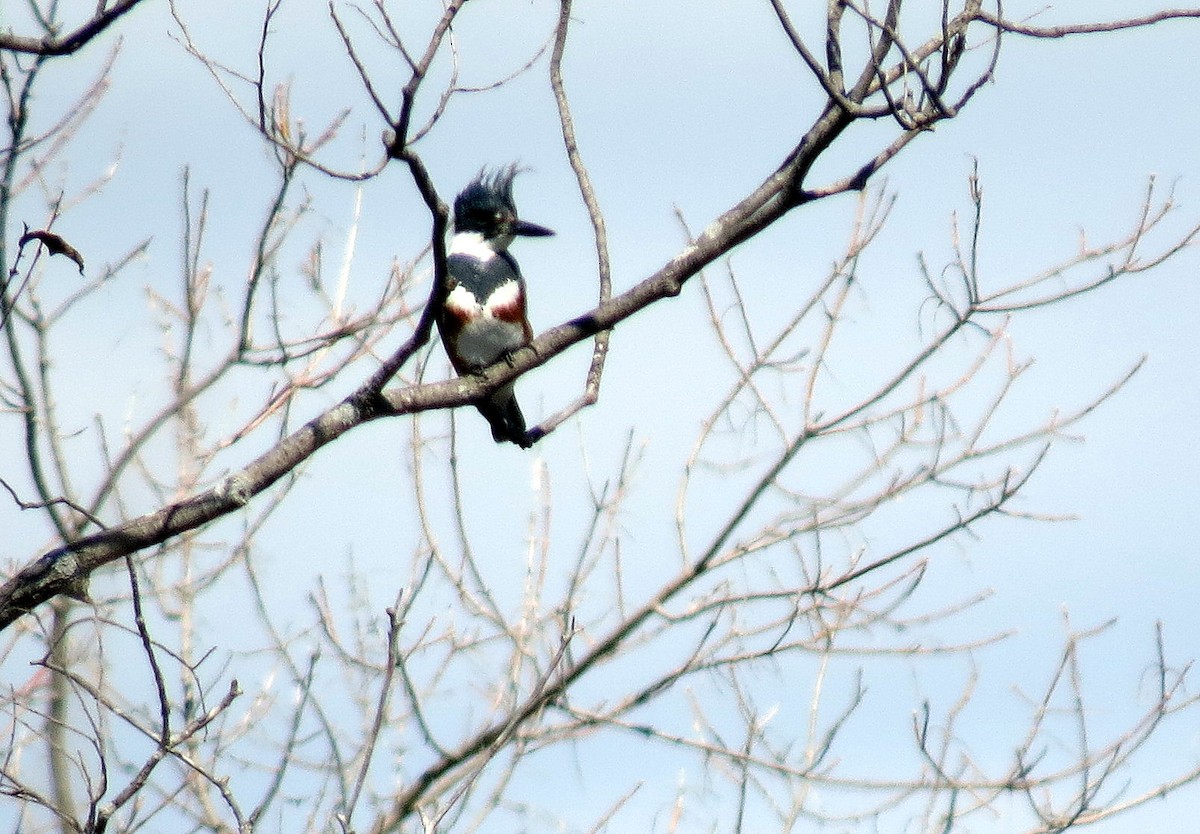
[{"x": 782, "y": 573}]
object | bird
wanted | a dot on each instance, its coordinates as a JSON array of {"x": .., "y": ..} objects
[{"x": 484, "y": 316}]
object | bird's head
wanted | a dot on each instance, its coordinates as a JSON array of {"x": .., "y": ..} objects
[{"x": 486, "y": 207}]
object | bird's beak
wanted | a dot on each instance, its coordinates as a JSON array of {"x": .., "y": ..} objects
[{"x": 524, "y": 227}]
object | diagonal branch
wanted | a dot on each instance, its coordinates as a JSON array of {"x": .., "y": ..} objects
[
  {"x": 67, "y": 568},
  {"x": 1066, "y": 29},
  {"x": 53, "y": 44}
]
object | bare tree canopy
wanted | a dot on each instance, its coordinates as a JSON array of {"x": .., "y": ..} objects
[{"x": 195, "y": 640}]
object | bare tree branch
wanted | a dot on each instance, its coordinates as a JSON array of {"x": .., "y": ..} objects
[
  {"x": 1062, "y": 31},
  {"x": 746, "y": 637},
  {"x": 55, "y": 44}
]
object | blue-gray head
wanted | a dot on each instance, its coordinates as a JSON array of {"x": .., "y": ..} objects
[{"x": 486, "y": 207}]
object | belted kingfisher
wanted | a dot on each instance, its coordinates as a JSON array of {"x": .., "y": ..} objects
[{"x": 484, "y": 315}]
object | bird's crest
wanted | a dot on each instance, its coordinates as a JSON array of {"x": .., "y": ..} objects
[{"x": 488, "y": 186}]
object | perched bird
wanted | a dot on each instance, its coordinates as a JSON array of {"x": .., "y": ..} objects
[{"x": 484, "y": 315}]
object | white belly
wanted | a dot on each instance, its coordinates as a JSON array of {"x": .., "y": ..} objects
[{"x": 484, "y": 340}]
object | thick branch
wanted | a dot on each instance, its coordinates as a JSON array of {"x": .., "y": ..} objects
[
  {"x": 66, "y": 569},
  {"x": 53, "y": 44}
]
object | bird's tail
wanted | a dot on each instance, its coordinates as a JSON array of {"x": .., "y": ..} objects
[{"x": 505, "y": 417}]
